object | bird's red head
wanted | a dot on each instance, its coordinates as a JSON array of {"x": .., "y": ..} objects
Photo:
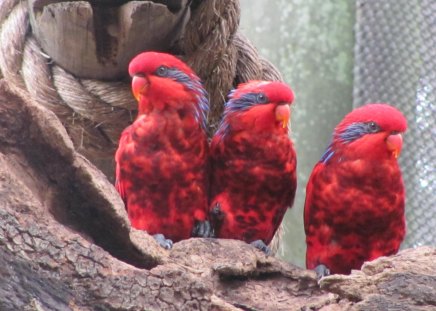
[
  {"x": 260, "y": 105},
  {"x": 373, "y": 130},
  {"x": 147, "y": 63},
  {"x": 163, "y": 79}
]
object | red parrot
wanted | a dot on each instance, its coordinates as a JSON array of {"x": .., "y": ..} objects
[
  {"x": 162, "y": 158},
  {"x": 253, "y": 164},
  {"x": 354, "y": 209}
]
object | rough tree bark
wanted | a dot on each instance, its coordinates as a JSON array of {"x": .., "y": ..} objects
[{"x": 66, "y": 244}]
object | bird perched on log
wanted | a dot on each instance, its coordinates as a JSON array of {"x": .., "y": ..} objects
[
  {"x": 354, "y": 209},
  {"x": 162, "y": 158},
  {"x": 253, "y": 164}
]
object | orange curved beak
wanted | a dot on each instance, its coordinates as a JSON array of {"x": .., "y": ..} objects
[
  {"x": 139, "y": 86},
  {"x": 395, "y": 143},
  {"x": 283, "y": 114}
]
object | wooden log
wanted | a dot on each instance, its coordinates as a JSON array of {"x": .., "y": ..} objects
[
  {"x": 66, "y": 244},
  {"x": 97, "y": 39}
]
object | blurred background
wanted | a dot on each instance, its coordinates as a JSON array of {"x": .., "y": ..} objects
[{"x": 340, "y": 54}]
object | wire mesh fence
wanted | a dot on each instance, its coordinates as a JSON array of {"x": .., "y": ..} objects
[{"x": 395, "y": 62}]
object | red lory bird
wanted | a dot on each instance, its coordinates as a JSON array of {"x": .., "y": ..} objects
[
  {"x": 162, "y": 158},
  {"x": 354, "y": 209},
  {"x": 253, "y": 164}
]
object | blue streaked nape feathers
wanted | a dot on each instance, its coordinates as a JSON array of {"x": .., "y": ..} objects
[
  {"x": 244, "y": 102},
  {"x": 327, "y": 154},
  {"x": 351, "y": 133},
  {"x": 235, "y": 105},
  {"x": 194, "y": 84},
  {"x": 357, "y": 130}
]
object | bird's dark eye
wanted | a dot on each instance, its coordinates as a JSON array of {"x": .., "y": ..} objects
[
  {"x": 162, "y": 71},
  {"x": 373, "y": 127},
  {"x": 261, "y": 98}
]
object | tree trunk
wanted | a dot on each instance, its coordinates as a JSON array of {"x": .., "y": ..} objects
[{"x": 66, "y": 244}]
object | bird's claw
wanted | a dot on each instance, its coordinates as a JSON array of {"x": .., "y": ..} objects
[
  {"x": 162, "y": 241},
  {"x": 217, "y": 213},
  {"x": 259, "y": 244},
  {"x": 203, "y": 229},
  {"x": 321, "y": 271},
  {"x": 216, "y": 217}
]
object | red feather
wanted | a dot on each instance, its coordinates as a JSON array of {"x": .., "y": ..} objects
[
  {"x": 354, "y": 209},
  {"x": 253, "y": 163},
  {"x": 161, "y": 171}
]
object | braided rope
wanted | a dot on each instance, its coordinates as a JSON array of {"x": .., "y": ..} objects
[
  {"x": 220, "y": 55},
  {"x": 95, "y": 112},
  {"x": 210, "y": 53}
]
